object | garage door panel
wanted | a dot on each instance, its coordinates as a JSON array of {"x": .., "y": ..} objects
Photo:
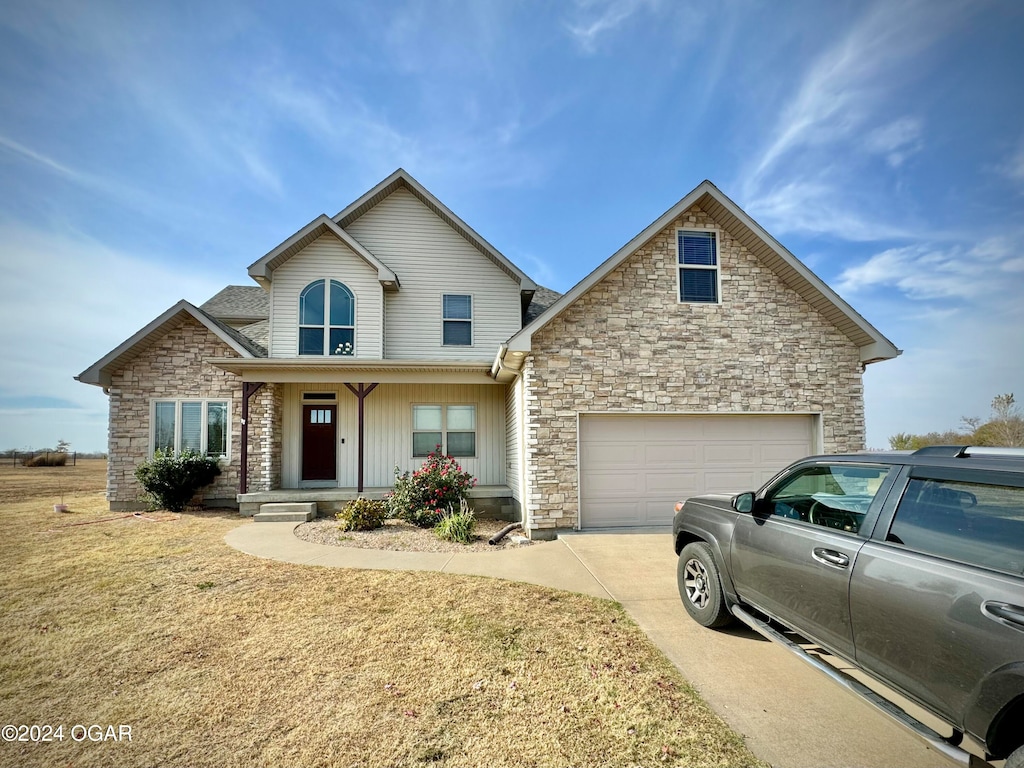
[
  {"x": 617, "y": 514},
  {"x": 659, "y": 511},
  {"x": 668, "y": 482},
  {"x": 634, "y": 467},
  {"x": 668, "y": 454},
  {"x": 729, "y": 453},
  {"x": 614, "y": 456},
  {"x": 783, "y": 453},
  {"x": 614, "y": 482}
]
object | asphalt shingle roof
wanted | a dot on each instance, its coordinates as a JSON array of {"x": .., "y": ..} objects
[{"x": 238, "y": 303}]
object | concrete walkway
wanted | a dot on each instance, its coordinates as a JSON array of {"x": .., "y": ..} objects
[{"x": 791, "y": 715}]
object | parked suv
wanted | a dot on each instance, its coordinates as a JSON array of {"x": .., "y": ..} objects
[{"x": 908, "y": 566}]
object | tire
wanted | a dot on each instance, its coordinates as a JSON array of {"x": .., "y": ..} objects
[
  {"x": 700, "y": 586},
  {"x": 1016, "y": 760}
]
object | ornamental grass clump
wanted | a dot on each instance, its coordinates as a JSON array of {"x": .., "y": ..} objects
[
  {"x": 456, "y": 526},
  {"x": 171, "y": 481},
  {"x": 421, "y": 497}
]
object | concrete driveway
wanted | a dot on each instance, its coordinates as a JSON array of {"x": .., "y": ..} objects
[{"x": 791, "y": 715}]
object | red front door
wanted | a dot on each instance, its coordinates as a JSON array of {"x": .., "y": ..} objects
[{"x": 319, "y": 442}]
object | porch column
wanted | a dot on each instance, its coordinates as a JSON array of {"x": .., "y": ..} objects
[
  {"x": 361, "y": 392},
  {"x": 249, "y": 388}
]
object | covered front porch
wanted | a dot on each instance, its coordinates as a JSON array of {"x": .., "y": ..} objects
[
  {"x": 488, "y": 501},
  {"x": 329, "y": 431}
]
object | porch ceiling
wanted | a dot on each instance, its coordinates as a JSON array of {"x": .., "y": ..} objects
[{"x": 302, "y": 370}]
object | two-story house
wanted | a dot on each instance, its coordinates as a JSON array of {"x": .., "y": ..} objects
[{"x": 702, "y": 356}]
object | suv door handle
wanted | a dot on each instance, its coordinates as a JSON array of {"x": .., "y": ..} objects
[
  {"x": 830, "y": 557},
  {"x": 1004, "y": 613}
]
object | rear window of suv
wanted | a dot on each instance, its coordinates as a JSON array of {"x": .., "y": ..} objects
[{"x": 969, "y": 522}]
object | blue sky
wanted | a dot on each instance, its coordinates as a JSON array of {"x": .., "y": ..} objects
[{"x": 150, "y": 151}]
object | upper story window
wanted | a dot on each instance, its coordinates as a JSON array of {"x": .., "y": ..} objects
[
  {"x": 698, "y": 266},
  {"x": 457, "y": 320},
  {"x": 198, "y": 425},
  {"x": 327, "y": 319}
]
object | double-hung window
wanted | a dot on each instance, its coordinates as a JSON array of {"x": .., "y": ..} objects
[
  {"x": 453, "y": 427},
  {"x": 197, "y": 425},
  {"x": 457, "y": 320},
  {"x": 327, "y": 319},
  {"x": 697, "y": 251}
]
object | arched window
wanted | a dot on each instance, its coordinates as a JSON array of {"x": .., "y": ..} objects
[{"x": 327, "y": 319}]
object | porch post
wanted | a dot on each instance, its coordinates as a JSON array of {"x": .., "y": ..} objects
[
  {"x": 361, "y": 393},
  {"x": 249, "y": 388}
]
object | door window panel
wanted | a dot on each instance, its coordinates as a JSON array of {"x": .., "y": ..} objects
[{"x": 836, "y": 496}]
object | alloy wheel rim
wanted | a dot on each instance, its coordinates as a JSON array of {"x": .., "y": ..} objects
[{"x": 695, "y": 582}]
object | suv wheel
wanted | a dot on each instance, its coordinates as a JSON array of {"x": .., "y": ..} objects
[
  {"x": 700, "y": 586},
  {"x": 1016, "y": 760}
]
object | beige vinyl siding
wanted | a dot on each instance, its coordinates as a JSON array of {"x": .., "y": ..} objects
[
  {"x": 512, "y": 437},
  {"x": 326, "y": 258},
  {"x": 388, "y": 430},
  {"x": 431, "y": 259}
]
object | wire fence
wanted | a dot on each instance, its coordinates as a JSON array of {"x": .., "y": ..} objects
[{"x": 40, "y": 458}]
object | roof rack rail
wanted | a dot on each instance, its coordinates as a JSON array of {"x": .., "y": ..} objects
[{"x": 963, "y": 451}]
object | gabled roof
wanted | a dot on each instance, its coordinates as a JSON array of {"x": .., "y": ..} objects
[
  {"x": 873, "y": 345},
  {"x": 401, "y": 179},
  {"x": 99, "y": 373},
  {"x": 238, "y": 304},
  {"x": 261, "y": 270}
]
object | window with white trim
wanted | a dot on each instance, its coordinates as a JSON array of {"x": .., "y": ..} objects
[
  {"x": 697, "y": 251},
  {"x": 453, "y": 427},
  {"x": 198, "y": 425},
  {"x": 457, "y": 320},
  {"x": 327, "y": 319}
]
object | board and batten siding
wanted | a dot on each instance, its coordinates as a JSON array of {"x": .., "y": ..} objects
[
  {"x": 513, "y": 440},
  {"x": 326, "y": 258},
  {"x": 388, "y": 430},
  {"x": 431, "y": 259}
]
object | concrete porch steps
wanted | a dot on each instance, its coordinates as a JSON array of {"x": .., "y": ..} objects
[{"x": 286, "y": 512}]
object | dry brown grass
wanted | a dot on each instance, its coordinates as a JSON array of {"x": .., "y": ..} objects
[{"x": 217, "y": 658}]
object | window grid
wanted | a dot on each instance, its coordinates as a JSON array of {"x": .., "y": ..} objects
[
  {"x": 326, "y": 319},
  {"x": 699, "y": 278},
  {"x": 453, "y": 427},
  {"x": 456, "y": 320},
  {"x": 198, "y": 425}
]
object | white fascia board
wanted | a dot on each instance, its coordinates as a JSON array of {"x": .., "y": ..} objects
[
  {"x": 97, "y": 374},
  {"x": 260, "y": 270}
]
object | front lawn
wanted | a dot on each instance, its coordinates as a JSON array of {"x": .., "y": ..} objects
[{"x": 216, "y": 658}]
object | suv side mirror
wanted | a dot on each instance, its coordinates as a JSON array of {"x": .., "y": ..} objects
[{"x": 744, "y": 502}]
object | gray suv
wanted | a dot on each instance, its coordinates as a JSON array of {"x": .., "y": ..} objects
[{"x": 908, "y": 566}]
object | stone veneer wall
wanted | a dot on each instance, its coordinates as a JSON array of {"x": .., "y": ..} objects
[
  {"x": 174, "y": 367},
  {"x": 265, "y": 409},
  {"x": 629, "y": 345}
]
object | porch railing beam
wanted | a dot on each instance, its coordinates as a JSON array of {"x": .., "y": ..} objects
[{"x": 361, "y": 391}]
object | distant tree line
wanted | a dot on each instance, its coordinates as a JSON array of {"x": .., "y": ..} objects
[{"x": 1004, "y": 428}]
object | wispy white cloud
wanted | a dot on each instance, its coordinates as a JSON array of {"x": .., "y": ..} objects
[
  {"x": 597, "y": 18},
  {"x": 840, "y": 117},
  {"x": 983, "y": 272},
  {"x": 1013, "y": 166},
  {"x": 896, "y": 141}
]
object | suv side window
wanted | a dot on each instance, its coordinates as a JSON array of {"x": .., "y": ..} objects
[
  {"x": 969, "y": 522},
  {"x": 835, "y": 496}
]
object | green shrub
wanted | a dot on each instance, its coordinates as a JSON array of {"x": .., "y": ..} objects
[
  {"x": 421, "y": 497},
  {"x": 456, "y": 526},
  {"x": 362, "y": 515},
  {"x": 171, "y": 481}
]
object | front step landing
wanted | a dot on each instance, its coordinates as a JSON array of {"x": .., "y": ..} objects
[{"x": 286, "y": 512}]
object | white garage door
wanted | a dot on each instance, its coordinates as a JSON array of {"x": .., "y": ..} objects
[{"x": 635, "y": 467}]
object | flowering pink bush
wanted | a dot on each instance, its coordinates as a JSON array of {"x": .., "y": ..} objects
[{"x": 422, "y": 496}]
